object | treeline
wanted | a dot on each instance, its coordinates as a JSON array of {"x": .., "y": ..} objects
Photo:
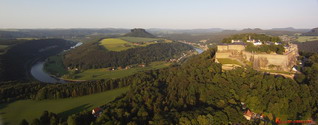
[
  {"x": 11, "y": 91},
  {"x": 279, "y": 49},
  {"x": 17, "y": 61},
  {"x": 245, "y": 37},
  {"x": 50, "y": 118},
  {"x": 92, "y": 56},
  {"x": 198, "y": 92}
]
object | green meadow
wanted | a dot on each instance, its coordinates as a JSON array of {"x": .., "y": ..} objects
[
  {"x": 114, "y": 44},
  {"x": 3, "y": 49},
  {"x": 14, "y": 112},
  {"x": 105, "y": 73},
  {"x": 228, "y": 61},
  {"x": 307, "y": 38},
  {"x": 124, "y": 43},
  {"x": 138, "y": 39}
]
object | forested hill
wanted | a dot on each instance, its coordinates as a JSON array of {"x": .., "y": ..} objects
[
  {"x": 18, "y": 59},
  {"x": 91, "y": 55},
  {"x": 312, "y": 32},
  {"x": 139, "y": 33},
  {"x": 198, "y": 92}
]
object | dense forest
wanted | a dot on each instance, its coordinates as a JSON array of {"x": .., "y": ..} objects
[
  {"x": 244, "y": 37},
  {"x": 19, "y": 58},
  {"x": 91, "y": 55},
  {"x": 198, "y": 92},
  {"x": 15, "y": 90},
  {"x": 310, "y": 46}
]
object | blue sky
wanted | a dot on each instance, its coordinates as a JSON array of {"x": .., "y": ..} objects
[{"x": 175, "y": 14}]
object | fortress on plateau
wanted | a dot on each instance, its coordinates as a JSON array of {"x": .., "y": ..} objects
[{"x": 235, "y": 52}]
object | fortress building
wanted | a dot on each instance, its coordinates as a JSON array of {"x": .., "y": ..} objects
[{"x": 259, "y": 61}]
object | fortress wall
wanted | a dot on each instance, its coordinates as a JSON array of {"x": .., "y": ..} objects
[
  {"x": 260, "y": 61},
  {"x": 274, "y": 59},
  {"x": 236, "y": 47},
  {"x": 222, "y": 48},
  {"x": 247, "y": 55},
  {"x": 223, "y": 55}
]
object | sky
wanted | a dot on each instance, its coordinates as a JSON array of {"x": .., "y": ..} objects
[{"x": 172, "y": 14}]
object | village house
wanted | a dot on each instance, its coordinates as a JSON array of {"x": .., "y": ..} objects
[{"x": 97, "y": 112}]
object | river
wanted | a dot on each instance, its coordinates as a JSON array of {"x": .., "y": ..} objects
[
  {"x": 39, "y": 74},
  {"x": 198, "y": 50}
]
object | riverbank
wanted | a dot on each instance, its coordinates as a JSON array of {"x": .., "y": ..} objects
[{"x": 38, "y": 73}]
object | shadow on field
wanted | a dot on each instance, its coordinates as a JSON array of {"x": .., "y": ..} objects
[
  {"x": 2, "y": 119},
  {"x": 78, "y": 109}
]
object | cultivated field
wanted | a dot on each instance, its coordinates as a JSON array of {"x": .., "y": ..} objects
[
  {"x": 138, "y": 39},
  {"x": 103, "y": 73},
  {"x": 307, "y": 38},
  {"x": 114, "y": 44},
  {"x": 124, "y": 43},
  {"x": 14, "y": 112}
]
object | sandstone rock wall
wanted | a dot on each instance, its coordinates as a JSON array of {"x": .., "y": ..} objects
[{"x": 279, "y": 62}]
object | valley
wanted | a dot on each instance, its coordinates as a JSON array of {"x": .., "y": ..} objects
[
  {"x": 167, "y": 62},
  {"x": 156, "y": 80}
]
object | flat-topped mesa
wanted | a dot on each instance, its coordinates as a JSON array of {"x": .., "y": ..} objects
[
  {"x": 138, "y": 32},
  {"x": 312, "y": 32},
  {"x": 259, "y": 61}
]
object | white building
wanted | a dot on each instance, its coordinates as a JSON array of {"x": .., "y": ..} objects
[
  {"x": 236, "y": 41},
  {"x": 257, "y": 43}
]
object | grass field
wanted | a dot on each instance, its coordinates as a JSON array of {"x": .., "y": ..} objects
[
  {"x": 228, "y": 61},
  {"x": 3, "y": 49},
  {"x": 54, "y": 65},
  {"x": 13, "y": 113},
  {"x": 114, "y": 44},
  {"x": 138, "y": 39},
  {"x": 27, "y": 38},
  {"x": 307, "y": 38},
  {"x": 94, "y": 74},
  {"x": 124, "y": 43}
]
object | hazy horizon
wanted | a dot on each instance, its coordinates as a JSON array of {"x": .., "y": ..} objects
[{"x": 177, "y": 14}]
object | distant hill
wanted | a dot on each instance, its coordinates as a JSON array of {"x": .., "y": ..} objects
[
  {"x": 137, "y": 32},
  {"x": 261, "y": 31},
  {"x": 290, "y": 29},
  {"x": 313, "y": 32},
  {"x": 188, "y": 31},
  {"x": 57, "y": 33}
]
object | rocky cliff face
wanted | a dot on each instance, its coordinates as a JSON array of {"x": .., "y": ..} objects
[
  {"x": 137, "y": 32},
  {"x": 260, "y": 61},
  {"x": 313, "y": 32}
]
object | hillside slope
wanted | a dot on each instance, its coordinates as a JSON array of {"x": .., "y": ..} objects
[
  {"x": 93, "y": 56},
  {"x": 20, "y": 57},
  {"x": 312, "y": 32}
]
